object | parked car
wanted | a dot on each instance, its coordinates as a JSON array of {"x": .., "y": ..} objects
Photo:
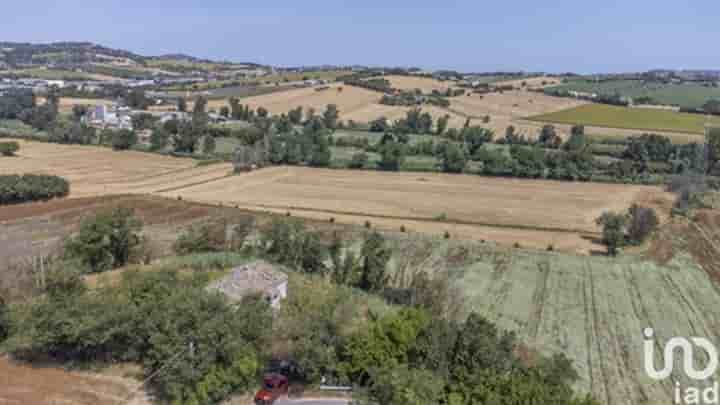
[{"x": 274, "y": 386}]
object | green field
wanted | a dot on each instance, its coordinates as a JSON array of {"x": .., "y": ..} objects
[
  {"x": 686, "y": 95},
  {"x": 601, "y": 115}
]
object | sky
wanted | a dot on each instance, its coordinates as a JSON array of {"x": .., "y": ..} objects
[{"x": 468, "y": 35}]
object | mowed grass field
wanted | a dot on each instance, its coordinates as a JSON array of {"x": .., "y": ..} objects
[
  {"x": 601, "y": 115},
  {"x": 529, "y": 212}
]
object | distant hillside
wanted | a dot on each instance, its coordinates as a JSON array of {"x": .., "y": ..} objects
[{"x": 79, "y": 54}]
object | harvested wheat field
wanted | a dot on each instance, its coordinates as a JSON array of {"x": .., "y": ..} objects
[
  {"x": 531, "y": 212},
  {"x": 94, "y": 171},
  {"x": 509, "y": 108},
  {"x": 426, "y": 84}
]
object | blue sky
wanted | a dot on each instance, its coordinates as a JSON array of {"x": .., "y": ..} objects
[{"x": 559, "y": 35}]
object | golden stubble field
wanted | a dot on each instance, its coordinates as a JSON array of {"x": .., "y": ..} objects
[{"x": 532, "y": 213}]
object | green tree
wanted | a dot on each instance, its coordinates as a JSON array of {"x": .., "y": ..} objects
[
  {"x": 549, "y": 137},
  {"x": 453, "y": 159},
  {"x": 442, "y": 124},
  {"x": 358, "y": 160},
  {"x": 123, "y": 139},
  {"x": 9, "y": 148},
  {"x": 392, "y": 156},
  {"x": 613, "y": 231},
  {"x": 106, "y": 240},
  {"x": 143, "y": 121},
  {"x": 225, "y": 111},
  {"x": 577, "y": 140},
  {"x": 79, "y": 111},
  {"x": 208, "y": 145},
  {"x": 330, "y": 116},
  {"x": 375, "y": 256},
  {"x": 159, "y": 139},
  {"x": 262, "y": 112},
  {"x": 401, "y": 385},
  {"x": 296, "y": 115}
]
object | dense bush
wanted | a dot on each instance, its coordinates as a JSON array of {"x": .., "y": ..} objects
[
  {"x": 15, "y": 189},
  {"x": 9, "y": 148},
  {"x": 106, "y": 241},
  {"x": 206, "y": 348}
]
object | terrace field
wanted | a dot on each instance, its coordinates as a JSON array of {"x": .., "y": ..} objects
[{"x": 602, "y": 115}]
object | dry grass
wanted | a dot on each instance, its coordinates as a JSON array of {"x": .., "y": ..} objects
[
  {"x": 426, "y": 84},
  {"x": 94, "y": 171},
  {"x": 536, "y": 213}
]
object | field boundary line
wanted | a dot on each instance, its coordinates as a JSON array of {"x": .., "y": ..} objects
[
  {"x": 421, "y": 219},
  {"x": 198, "y": 183}
]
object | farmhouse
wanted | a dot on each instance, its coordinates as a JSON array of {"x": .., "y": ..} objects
[{"x": 255, "y": 278}]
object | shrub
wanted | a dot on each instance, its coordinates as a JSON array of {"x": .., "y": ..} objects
[
  {"x": 402, "y": 228},
  {"x": 9, "y": 148},
  {"x": 106, "y": 241},
  {"x": 446, "y": 235},
  {"x": 15, "y": 189},
  {"x": 642, "y": 222},
  {"x": 200, "y": 239},
  {"x": 358, "y": 161},
  {"x": 368, "y": 225}
]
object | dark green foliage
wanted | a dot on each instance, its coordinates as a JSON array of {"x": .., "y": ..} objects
[
  {"x": 71, "y": 133},
  {"x": 712, "y": 107},
  {"x": 295, "y": 115},
  {"x": 392, "y": 156},
  {"x": 330, "y": 116},
  {"x": 182, "y": 104},
  {"x": 358, "y": 161},
  {"x": 159, "y": 139},
  {"x": 375, "y": 256},
  {"x": 549, "y": 137},
  {"x": 15, "y": 189},
  {"x": 4, "y": 321},
  {"x": 577, "y": 140},
  {"x": 124, "y": 139},
  {"x": 379, "y": 125},
  {"x": 106, "y": 241},
  {"x": 401, "y": 385},
  {"x": 136, "y": 99},
  {"x": 200, "y": 239},
  {"x": 649, "y": 147},
  {"x": 208, "y": 144},
  {"x": 9, "y": 148},
  {"x": 290, "y": 243},
  {"x": 207, "y": 348},
  {"x": 143, "y": 121},
  {"x": 453, "y": 159},
  {"x": 613, "y": 231},
  {"x": 14, "y": 102}
]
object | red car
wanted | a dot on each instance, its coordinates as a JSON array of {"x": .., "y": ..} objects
[{"x": 274, "y": 386}]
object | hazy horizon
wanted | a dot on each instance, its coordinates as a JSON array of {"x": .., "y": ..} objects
[{"x": 565, "y": 36}]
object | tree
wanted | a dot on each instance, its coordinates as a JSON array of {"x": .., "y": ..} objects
[
  {"x": 577, "y": 140},
  {"x": 379, "y": 125},
  {"x": 549, "y": 137},
  {"x": 143, "y": 121},
  {"x": 712, "y": 106},
  {"x": 453, "y": 159},
  {"x": 199, "y": 239},
  {"x": 79, "y": 111},
  {"x": 208, "y": 144},
  {"x": 182, "y": 104},
  {"x": 321, "y": 155},
  {"x": 442, "y": 124},
  {"x": 330, "y": 116},
  {"x": 296, "y": 115},
  {"x": 358, "y": 160},
  {"x": 375, "y": 256},
  {"x": 9, "y": 148},
  {"x": 124, "y": 139},
  {"x": 159, "y": 139},
  {"x": 392, "y": 156},
  {"x": 401, "y": 385},
  {"x": 642, "y": 222},
  {"x": 136, "y": 99},
  {"x": 106, "y": 240},
  {"x": 713, "y": 145},
  {"x": 613, "y": 231}
]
